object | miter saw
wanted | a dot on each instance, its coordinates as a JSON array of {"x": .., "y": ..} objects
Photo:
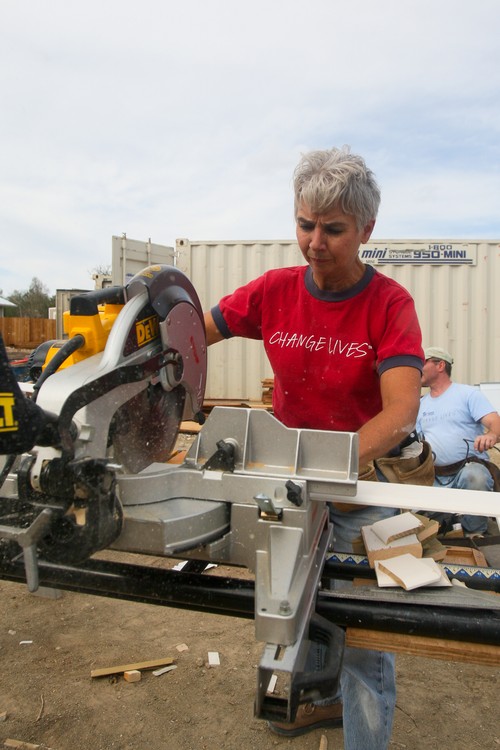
[
  {"x": 85, "y": 468},
  {"x": 85, "y": 465}
]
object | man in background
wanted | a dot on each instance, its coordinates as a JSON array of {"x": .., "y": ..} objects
[{"x": 461, "y": 426}]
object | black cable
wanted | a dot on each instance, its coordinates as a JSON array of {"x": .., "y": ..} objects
[
  {"x": 57, "y": 360},
  {"x": 9, "y": 463}
]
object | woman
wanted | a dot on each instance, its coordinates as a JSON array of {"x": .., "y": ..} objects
[{"x": 345, "y": 346}]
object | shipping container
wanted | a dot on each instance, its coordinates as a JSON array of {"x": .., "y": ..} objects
[
  {"x": 454, "y": 284},
  {"x": 130, "y": 256}
]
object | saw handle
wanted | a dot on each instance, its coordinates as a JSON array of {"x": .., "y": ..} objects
[{"x": 87, "y": 303}]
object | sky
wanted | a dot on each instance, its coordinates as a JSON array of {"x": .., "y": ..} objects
[{"x": 164, "y": 119}]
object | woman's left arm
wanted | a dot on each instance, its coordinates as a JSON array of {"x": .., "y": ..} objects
[{"x": 400, "y": 390}]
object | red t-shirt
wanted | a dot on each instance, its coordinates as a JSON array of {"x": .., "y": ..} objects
[{"x": 327, "y": 349}]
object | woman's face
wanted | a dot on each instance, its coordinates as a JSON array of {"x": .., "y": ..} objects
[{"x": 330, "y": 243}]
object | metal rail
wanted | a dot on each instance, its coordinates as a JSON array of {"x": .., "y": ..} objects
[{"x": 235, "y": 597}]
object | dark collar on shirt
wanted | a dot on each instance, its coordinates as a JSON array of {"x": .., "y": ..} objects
[{"x": 328, "y": 296}]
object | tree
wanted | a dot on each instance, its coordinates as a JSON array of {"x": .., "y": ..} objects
[
  {"x": 101, "y": 270},
  {"x": 33, "y": 303}
]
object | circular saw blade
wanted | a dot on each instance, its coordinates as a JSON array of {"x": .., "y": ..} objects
[{"x": 144, "y": 429}]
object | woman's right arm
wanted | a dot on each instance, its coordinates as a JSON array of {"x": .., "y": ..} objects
[{"x": 213, "y": 333}]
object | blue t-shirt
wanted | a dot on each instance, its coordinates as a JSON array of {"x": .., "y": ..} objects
[{"x": 449, "y": 420}]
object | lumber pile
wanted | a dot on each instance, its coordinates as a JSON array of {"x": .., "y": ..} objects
[{"x": 267, "y": 390}]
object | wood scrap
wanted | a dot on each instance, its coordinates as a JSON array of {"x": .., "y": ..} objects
[
  {"x": 190, "y": 427},
  {"x": 425, "y": 646},
  {"x": 464, "y": 556},
  {"x": 396, "y": 527},
  {"x": 21, "y": 745},
  {"x": 432, "y": 547},
  {"x": 132, "y": 675},
  {"x": 153, "y": 664},
  {"x": 267, "y": 390},
  {"x": 164, "y": 670},
  {"x": 410, "y": 572},
  {"x": 323, "y": 743},
  {"x": 42, "y": 705},
  {"x": 177, "y": 457},
  {"x": 213, "y": 659},
  {"x": 272, "y": 684},
  {"x": 429, "y": 529},
  {"x": 377, "y": 550},
  {"x": 384, "y": 580}
]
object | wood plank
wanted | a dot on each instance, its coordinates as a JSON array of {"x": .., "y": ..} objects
[
  {"x": 418, "y": 645},
  {"x": 190, "y": 427},
  {"x": 105, "y": 671},
  {"x": 20, "y": 745}
]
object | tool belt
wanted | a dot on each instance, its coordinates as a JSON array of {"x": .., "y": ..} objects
[
  {"x": 449, "y": 469},
  {"x": 416, "y": 470}
]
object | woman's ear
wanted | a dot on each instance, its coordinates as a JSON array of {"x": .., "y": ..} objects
[{"x": 367, "y": 231}]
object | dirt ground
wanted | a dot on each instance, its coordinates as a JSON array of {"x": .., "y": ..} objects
[{"x": 48, "y": 647}]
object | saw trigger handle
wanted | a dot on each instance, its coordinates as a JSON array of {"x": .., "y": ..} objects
[{"x": 87, "y": 303}]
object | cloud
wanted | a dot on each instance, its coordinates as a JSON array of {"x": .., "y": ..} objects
[{"x": 168, "y": 120}]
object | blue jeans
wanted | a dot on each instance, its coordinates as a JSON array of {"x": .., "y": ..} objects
[
  {"x": 472, "y": 476},
  {"x": 368, "y": 680}
]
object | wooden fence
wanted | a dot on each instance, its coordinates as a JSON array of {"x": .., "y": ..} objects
[{"x": 27, "y": 333}]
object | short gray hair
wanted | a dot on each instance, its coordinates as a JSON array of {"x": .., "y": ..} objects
[{"x": 335, "y": 177}]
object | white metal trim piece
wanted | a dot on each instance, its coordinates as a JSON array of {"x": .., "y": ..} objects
[{"x": 416, "y": 497}]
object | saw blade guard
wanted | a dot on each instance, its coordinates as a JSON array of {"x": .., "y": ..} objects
[{"x": 182, "y": 329}]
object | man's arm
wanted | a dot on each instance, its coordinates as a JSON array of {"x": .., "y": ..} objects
[
  {"x": 491, "y": 422},
  {"x": 400, "y": 389},
  {"x": 213, "y": 333}
]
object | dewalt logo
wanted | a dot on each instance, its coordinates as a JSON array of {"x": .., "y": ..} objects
[
  {"x": 7, "y": 421},
  {"x": 147, "y": 330}
]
